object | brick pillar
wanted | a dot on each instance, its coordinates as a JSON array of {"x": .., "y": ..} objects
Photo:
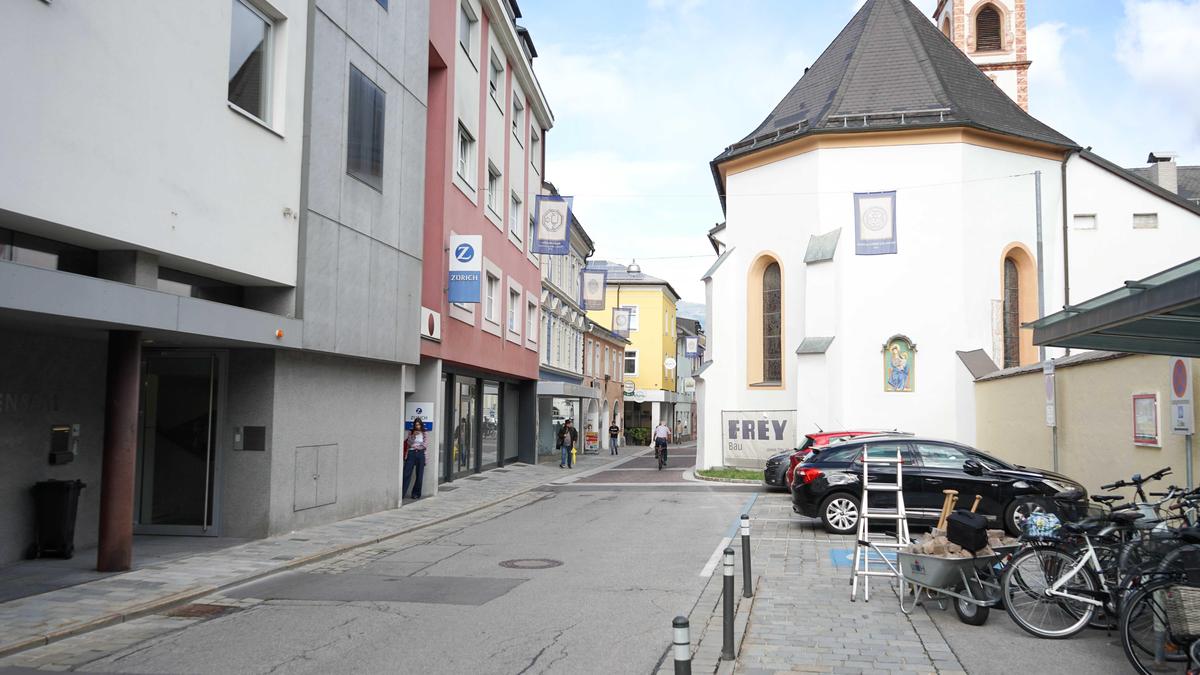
[
  {"x": 1020, "y": 44},
  {"x": 960, "y": 25},
  {"x": 120, "y": 451}
]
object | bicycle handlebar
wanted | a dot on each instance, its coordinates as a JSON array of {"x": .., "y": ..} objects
[{"x": 1138, "y": 479}]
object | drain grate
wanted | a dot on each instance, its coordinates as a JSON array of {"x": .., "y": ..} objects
[
  {"x": 530, "y": 563},
  {"x": 200, "y": 610}
]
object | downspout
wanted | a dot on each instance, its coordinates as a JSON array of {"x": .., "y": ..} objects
[{"x": 1066, "y": 235}]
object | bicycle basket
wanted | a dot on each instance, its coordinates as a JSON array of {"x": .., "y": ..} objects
[
  {"x": 1073, "y": 511},
  {"x": 1183, "y": 611},
  {"x": 1042, "y": 526}
]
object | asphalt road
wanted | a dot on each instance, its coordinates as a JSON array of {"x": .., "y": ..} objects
[{"x": 626, "y": 561}]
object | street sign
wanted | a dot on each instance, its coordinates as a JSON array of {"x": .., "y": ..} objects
[
  {"x": 1183, "y": 420},
  {"x": 669, "y": 362},
  {"x": 689, "y": 385},
  {"x": 1048, "y": 376}
]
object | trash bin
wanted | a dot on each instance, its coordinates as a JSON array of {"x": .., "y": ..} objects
[{"x": 56, "y": 503}]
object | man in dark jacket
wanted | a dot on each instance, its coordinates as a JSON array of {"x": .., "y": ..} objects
[{"x": 567, "y": 435}]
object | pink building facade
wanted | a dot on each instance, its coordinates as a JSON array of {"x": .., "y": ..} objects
[{"x": 486, "y": 126}]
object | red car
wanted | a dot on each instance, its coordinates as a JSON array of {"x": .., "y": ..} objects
[{"x": 781, "y": 468}]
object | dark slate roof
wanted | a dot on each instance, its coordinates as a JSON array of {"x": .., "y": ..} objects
[
  {"x": 1189, "y": 180},
  {"x": 889, "y": 68}
]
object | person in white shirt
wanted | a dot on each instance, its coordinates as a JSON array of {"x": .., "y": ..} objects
[
  {"x": 662, "y": 435},
  {"x": 414, "y": 458}
]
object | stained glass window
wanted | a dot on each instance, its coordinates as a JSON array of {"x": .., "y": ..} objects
[{"x": 772, "y": 315}]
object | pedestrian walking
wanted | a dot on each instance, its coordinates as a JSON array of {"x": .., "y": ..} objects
[
  {"x": 614, "y": 432},
  {"x": 567, "y": 435},
  {"x": 414, "y": 458}
]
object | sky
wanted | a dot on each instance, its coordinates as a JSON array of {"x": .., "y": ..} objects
[{"x": 646, "y": 92}]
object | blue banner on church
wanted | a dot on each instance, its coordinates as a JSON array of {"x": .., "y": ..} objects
[{"x": 874, "y": 223}]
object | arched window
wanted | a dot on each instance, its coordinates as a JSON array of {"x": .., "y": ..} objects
[
  {"x": 946, "y": 27},
  {"x": 1012, "y": 314},
  {"x": 772, "y": 314},
  {"x": 987, "y": 30}
]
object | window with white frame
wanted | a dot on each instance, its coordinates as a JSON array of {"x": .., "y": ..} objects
[
  {"x": 607, "y": 363},
  {"x": 466, "y": 155},
  {"x": 1145, "y": 221},
  {"x": 514, "y": 311},
  {"x": 491, "y": 299},
  {"x": 535, "y": 149},
  {"x": 587, "y": 359},
  {"x": 596, "y": 359},
  {"x": 633, "y": 316},
  {"x": 514, "y": 215},
  {"x": 518, "y": 119},
  {"x": 250, "y": 60},
  {"x": 531, "y": 226},
  {"x": 631, "y": 362},
  {"x": 466, "y": 28},
  {"x": 531, "y": 330},
  {"x": 495, "y": 77},
  {"x": 493, "y": 189}
]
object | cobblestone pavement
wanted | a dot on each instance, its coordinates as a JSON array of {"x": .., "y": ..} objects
[{"x": 40, "y": 619}]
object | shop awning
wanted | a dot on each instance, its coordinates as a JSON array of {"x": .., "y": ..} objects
[{"x": 1157, "y": 315}]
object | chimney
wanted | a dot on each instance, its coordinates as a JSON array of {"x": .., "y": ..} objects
[{"x": 1163, "y": 170}]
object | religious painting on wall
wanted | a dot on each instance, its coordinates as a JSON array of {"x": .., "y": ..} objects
[
  {"x": 874, "y": 223},
  {"x": 899, "y": 364}
]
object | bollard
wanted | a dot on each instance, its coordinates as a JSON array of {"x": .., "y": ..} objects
[
  {"x": 747, "y": 584},
  {"x": 683, "y": 646},
  {"x": 727, "y": 624}
]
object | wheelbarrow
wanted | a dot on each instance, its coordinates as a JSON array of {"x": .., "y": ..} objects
[{"x": 971, "y": 583}]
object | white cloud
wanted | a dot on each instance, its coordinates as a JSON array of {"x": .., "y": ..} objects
[
  {"x": 1159, "y": 45},
  {"x": 1046, "y": 41}
]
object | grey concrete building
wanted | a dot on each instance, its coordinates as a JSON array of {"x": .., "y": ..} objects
[{"x": 209, "y": 288}]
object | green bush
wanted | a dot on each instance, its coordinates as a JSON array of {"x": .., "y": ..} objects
[{"x": 637, "y": 435}]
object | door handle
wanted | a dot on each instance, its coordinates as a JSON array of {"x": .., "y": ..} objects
[{"x": 933, "y": 481}]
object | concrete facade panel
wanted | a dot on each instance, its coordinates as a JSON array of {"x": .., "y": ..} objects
[
  {"x": 245, "y": 480},
  {"x": 320, "y": 283},
  {"x": 382, "y": 302},
  {"x": 354, "y": 252},
  {"x": 326, "y": 148}
]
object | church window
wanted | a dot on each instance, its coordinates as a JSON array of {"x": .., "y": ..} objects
[
  {"x": 946, "y": 27},
  {"x": 772, "y": 312},
  {"x": 1012, "y": 315},
  {"x": 987, "y": 30}
]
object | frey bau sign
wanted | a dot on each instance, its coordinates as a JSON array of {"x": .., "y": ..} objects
[
  {"x": 752, "y": 436},
  {"x": 466, "y": 267}
]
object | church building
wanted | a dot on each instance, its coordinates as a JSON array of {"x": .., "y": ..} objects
[{"x": 898, "y": 215}]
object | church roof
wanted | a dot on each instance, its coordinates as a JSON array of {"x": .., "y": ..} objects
[{"x": 891, "y": 68}]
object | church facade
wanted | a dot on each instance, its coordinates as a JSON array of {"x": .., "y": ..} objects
[{"x": 897, "y": 211}]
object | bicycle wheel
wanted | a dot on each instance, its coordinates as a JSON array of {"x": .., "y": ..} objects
[
  {"x": 659, "y": 457},
  {"x": 1024, "y": 588},
  {"x": 1146, "y": 632}
]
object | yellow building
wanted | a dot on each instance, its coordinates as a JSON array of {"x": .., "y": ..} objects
[{"x": 649, "y": 368}]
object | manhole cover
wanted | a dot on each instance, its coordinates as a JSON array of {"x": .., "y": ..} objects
[
  {"x": 530, "y": 563},
  {"x": 200, "y": 610}
]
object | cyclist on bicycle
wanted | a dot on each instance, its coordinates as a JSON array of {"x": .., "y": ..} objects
[{"x": 662, "y": 434}]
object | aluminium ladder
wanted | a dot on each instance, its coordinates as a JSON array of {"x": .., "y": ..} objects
[{"x": 866, "y": 550}]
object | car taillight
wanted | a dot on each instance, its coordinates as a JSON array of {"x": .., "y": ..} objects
[{"x": 808, "y": 475}]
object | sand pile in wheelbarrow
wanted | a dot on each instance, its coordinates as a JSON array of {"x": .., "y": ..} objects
[{"x": 936, "y": 544}]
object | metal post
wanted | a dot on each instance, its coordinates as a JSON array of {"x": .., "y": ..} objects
[
  {"x": 115, "y": 550},
  {"x": 727, "y": 624},
  {"x": 683, "y": 646},
  {"x": 1054, "y": 447},
  {"x": 1037, "y": 183},
  {"x": 1187, "y": 444},
  {"x": 747, "y": 584}
]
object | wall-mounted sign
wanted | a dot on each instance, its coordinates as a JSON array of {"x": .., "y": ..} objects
[
  {"x": 1051, "y": 408},
  {"x": 629, "y": 386},
  {"x": 1145, "y": 419},
  {"x": 874, "y": 222},
  {"x": 592, "y": 285},
  {"x": 466, "y": 267},
  {"x": 691, "y": 347},
  {"x": 669, "y": 363},
  {"x": 415, "y": 409},
  {"x": 752, "y": 436},
  {"x": 431, "y": 324},
  {"x": 620, "y": 321},
  {"x": 1182, "y": 416},
  {"x": 689, "y": 385},
  {"x": 552, "y": 225}
]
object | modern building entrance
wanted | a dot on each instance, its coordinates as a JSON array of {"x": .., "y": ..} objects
[{"x": 177, "y": 463}]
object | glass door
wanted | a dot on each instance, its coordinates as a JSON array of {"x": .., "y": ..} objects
[
  {"x": 464, "y": 451},
  {"x": 177, "y": 443},
  {"x": 491, "y": 424}
]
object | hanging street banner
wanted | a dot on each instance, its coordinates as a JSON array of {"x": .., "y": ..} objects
[
  {"x": 691, "y": 347},
  {"x": 552, "y": 234},
  {"x": 466, "y": 267},
  {"x": 593, "y": 283},
  {"x": 620, "y": 321},
  {"x": 874, "y": 223},
  {"x": 1183, "y": 420}
]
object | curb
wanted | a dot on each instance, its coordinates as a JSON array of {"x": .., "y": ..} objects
[{"x": 187, "y": 595}]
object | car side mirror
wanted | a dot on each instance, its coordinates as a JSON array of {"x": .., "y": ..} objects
[{"x": 973, "y": 467}]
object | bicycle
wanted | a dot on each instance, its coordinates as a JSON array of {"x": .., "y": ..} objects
[{"x": 660, "y": 452}]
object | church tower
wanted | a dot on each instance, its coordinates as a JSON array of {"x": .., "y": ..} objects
[{"x": 992, "y": 34}]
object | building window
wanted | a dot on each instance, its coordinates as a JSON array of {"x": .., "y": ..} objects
[
  {"x": 493, "y": 189},
  {"x": 772, "y": 324},
  {"x": 535, "y": 149},
  {"x": 633, "y": 316},
  {"x": 495, "y": 73},
  {"x": 250, "y": 60},
  {"x": 1084, "y": 221},
  {"x": 466, "y": 28},
  {"x": 987, "y": 29},
  {"x": 1145, "y": 221},
  {"x": 492, "y": 299},
  {"x": 530, "y": 239},
  {"x": 518, "y": 118},
  {"x": 531, "y": 321},
  {"x": 364, "y": 130},
  {"x": 631, "y": 362},
  {"x": 514, "y": 311},
  {"x": 946, "y": 27},
  {"x": 587, "y": 359},
  {"x": 466, "y": 155},
  {"x": 514, "y": 216},
  {"x": 382, "y": 3},
  {"x": 1012, "y": 314}
]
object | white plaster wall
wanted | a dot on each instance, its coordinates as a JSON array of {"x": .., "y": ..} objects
[
  {"x": 123, "y": 137},
  {"x": 1104, "y": 258}
]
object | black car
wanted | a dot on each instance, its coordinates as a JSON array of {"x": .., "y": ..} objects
[
  {"x": 775, "y": 472},
  {"x": 828, "y": 484}
]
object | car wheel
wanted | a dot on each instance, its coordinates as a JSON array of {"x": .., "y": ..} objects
[
  {"x": 839, "y": 513},
  {"x": 1016, "y": 513}
]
